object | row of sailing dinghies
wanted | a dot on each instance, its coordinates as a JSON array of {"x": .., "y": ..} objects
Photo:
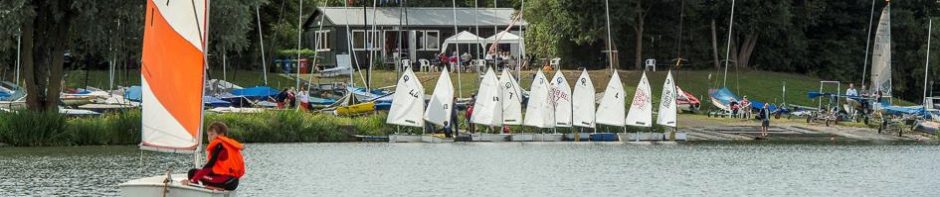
[{"x": 551, "y": 102}]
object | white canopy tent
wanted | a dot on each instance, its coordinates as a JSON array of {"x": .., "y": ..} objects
[
  {"x": 463, "y": 37},
  {"x": 515, "y": 42}
]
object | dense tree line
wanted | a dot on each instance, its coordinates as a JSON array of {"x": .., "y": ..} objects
[{"x": 821, "y": 38}]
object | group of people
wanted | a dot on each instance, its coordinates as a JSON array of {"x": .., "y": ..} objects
[
  {"x": 289, "y": 99},
  {"x": 451, "y": 59}
]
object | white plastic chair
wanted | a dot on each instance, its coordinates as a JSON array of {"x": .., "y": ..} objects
[
  {"x": 555, "y": 62},
  {"x": 651, "y": 63},
  {"x": 479, "y": 65},
  {"x": 405, "y": 63},
  {"x": 425, "y": 65}
]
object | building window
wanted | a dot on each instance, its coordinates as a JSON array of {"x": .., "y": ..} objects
[
  {"x": 433, "y": 40},
  {"x": 360, "y": 42},
  {"x": 322, "y": 40},
  {"x": 358, "y": 39}
]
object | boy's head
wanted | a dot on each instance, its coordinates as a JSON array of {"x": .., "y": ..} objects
[{"x": 217, "y": 129}]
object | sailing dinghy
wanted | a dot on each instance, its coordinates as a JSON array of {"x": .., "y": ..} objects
[
  {"x": 560, "y": 99},
  {"x": 539, "y": 111},
  {"x": 668, "y": 107},
  {"x": 407, "y": 106},
  {"x": 488, "y": 108},
  {"x": 439, "y": 107},
  {"x": 610, "y": 112},
  {"x": 510, "y": 100},
  {"x": 582, "y": 104},
  {"x": 173, "y": 78},
  {"x": 641, "y": 109}
]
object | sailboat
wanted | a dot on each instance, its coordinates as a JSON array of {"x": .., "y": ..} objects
[
  {"x": 408, "y": 102},
  {"x": 539, "y": 111},
  {"x": 173, "y": 78},
  {"x": 582, "y": 103},
  {"x": 668, "y": 107},
  {"x": 641, "y": 109},
  {"x": 488, "y": 110},
  {"x": 511, "y": 97},
  {"x": 439, "y": 107},
  {"x": 560, "y": 98},
  {"x": 611, "y": 109},
  {"x": 881, "y": 55}
]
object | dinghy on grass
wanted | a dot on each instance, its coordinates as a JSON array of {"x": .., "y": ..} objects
[
  {"x": 582, "y": 106},
  {"x": 641, "y": 112},
  {"x": 173, "y": 81},
  {"x": 611, "y": 112}
]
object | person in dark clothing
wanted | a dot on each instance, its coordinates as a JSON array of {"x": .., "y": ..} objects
[
  {"x": 225, "y": 164},
  {"x": 281, "y": 98},
  {"x": 454, "y": 126},
  {"x": 764, "y": 117}
]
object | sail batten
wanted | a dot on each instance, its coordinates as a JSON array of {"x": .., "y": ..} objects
[{"x": 173, "y": 74}]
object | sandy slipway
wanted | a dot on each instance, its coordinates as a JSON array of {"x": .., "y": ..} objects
[{"x": 701, "y": 128}]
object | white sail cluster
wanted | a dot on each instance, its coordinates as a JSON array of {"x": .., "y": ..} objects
[{"x": 551, "y": 102}]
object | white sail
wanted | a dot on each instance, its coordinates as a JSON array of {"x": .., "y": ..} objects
[
  {"x": 407, "y": 102},
  {"x": 881, "y": 55},
  {"x": 560, "y": 95},
  {"x": 487, "y": 110},
  {"x": 641, "y": 109},
  {"x": 442, "y": 101},
  {"x": 611, "y": 110},
  {"x": 539, "y": 110},
  {"x": 667, "y": 103},
  {"x": 582, "y": 102},
  {"x": 511, "y": 97}
]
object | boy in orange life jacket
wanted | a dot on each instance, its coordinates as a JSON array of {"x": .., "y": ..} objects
[{"x": 224, "y": 165}]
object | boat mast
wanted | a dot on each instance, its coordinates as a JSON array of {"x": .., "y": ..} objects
[
  {"x": 610, "y": 54},
  {"x": 300, "y": 16},
  {"x": 927, "y": 65},
  {"x": 204, "y": 36},
  {"x": 457, "y": 55},
  {"x": 522, "y": 59},
  {"x": 19, "y": 53},
  {"x": 871, "y": 19},
  {"x": 264, "y": 64},
  {"x": 316, "y": 52},
  {"x": 724, "y": 82}
]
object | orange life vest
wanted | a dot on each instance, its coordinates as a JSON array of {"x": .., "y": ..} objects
[{"x": 230, "y": 164}]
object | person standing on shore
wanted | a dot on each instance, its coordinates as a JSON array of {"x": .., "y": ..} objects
[
  {"x": 469, "y": 113},
  {"x": 764, "y": 120}
]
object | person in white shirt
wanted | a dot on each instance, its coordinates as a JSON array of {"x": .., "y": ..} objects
[{"x": 851, "y": 91}]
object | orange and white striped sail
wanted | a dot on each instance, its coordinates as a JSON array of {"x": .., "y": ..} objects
[{"x": 173, "y": 74}]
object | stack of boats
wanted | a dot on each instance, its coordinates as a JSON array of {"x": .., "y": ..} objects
[{"x": 551, "y": 105}]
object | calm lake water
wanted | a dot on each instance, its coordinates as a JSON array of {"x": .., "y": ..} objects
[{"x": 503, "y": 169}]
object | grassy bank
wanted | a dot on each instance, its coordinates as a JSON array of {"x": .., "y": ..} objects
[{"x": 123, "y": 128}]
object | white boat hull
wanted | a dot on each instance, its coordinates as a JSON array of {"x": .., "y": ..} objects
[
  {"x": 155, "y": 187},
  {"x": 522, "y": 137},
  {"x": 432, "y": 139},
  {"x": 395, "y": 138},
  {"x": 487, "y": 137},
  {"x": 548, "y": 137}
]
